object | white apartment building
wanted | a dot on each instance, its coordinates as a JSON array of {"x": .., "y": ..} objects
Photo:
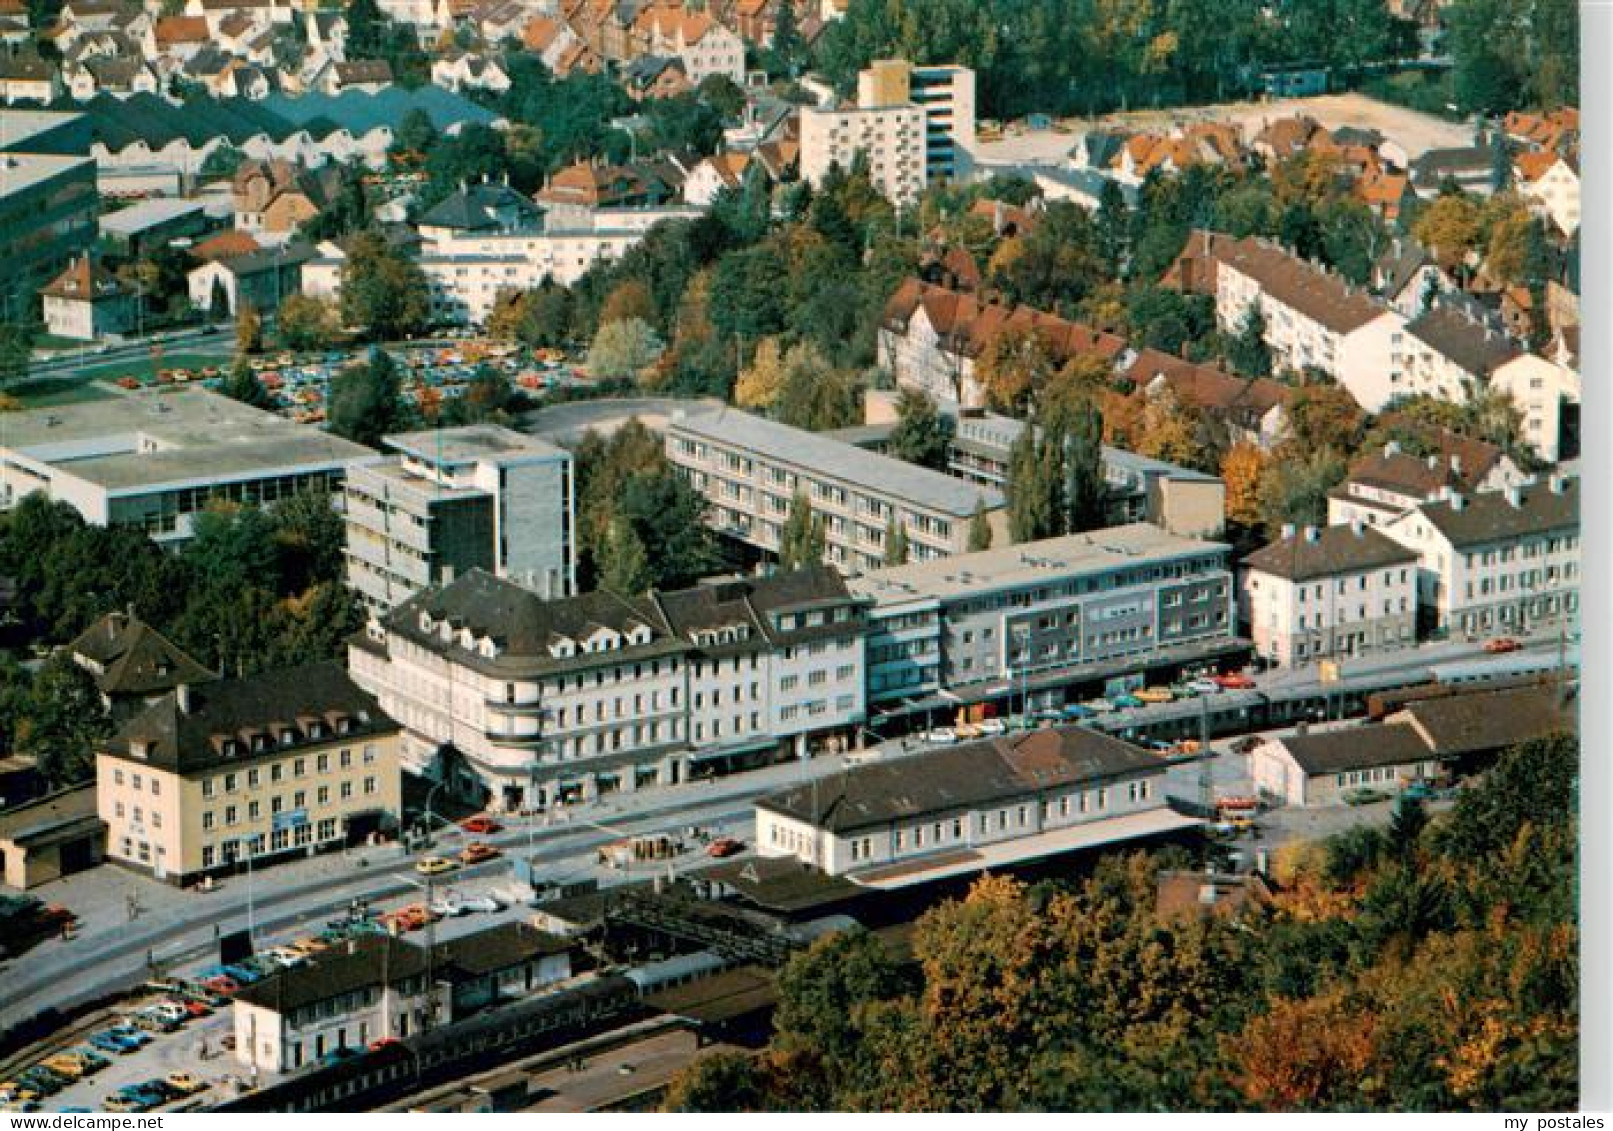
[
  {"x": 542, "y": 701},
  {"x": 1452, "y": 350},
  {"x": 750, "y": 471},
  {"x": 1312, "y": 317},
  {"x": 892, "y": 139},
  {"x": 968, "y": 808},
  {"x": 1550, "y": 184},
  {"x": 1330, "y": 593},
  {"x": 455, "y": 499},
  {"x": 1505, "y": 561},
  {"x": 1382, "y": 486},
  {"x": 1547, "y": 393}
]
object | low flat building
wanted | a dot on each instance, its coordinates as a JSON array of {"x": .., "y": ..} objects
[
  {"x": 1329, "y": 593},
  {"x": 1320, "y": 769},
  {"x": 456, "y": 499},
  {"x": 155, "y": 460},
  {"x": 1040, "y": 617},
  {"x": 1501, "y": 561},
  {"x": 48, "y": 203},
  {"x": 214, "y": 777},
  {"x": 982, "y": 805},
  {"x": 750, "y": 470},
  {"x": 50, "y": 837}
]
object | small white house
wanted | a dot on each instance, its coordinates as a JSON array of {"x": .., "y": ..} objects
[
  {"x": 86, "y": 302},
  {"x": 1314, "y": 770}
]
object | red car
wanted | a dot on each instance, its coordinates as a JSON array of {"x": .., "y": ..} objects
[
  {"x": 1234, "y": 681},
  {"x": 725, "y": 846},
  {"x": 194, "y": 1008},
  {"x": 377, "y": 1046},
  {"x": 480, "y": 825},
  {"x": 479, "y": 850},
  {"x": 223, "y": 986},
  {"x": 1501, "y": 645}
]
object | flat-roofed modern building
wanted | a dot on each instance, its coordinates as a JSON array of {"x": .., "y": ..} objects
[
  {"x": 957, "y": 811},
  {"x": 1041, "y": 617},
  {"x": 456, "y": 499},
  {"x": 157, "y": 459},
  {"x": 750, "y": 469},
  {"x": 48, "y": 206}
]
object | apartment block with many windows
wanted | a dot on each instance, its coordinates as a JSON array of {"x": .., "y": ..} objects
[
  {"x": 750, "y": 471},
  {"x": 230, "y": 773}
]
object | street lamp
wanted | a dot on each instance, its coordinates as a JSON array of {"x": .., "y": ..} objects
[{"x": 426, "y": 816}]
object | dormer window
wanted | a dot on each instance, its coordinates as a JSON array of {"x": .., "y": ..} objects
[
  {"x": 231, "y": 747},
  {"x": 425, "y": 621},
  {"x": 260, "y": 742},
  {"x": 287, "y": 736},
  {"x": 316, "y": 730},
  {"x": 343, "y": 725}
]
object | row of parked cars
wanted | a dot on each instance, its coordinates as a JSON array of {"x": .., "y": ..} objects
[{"x": 152, "y": 1093}]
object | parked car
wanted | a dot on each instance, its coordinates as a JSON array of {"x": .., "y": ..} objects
[
  {"x": 378, "y": 1045},
  {"x": 1098, "y": 706},
  {"x": 479, "y": 851},
  {"x": 1247, "y": 745},
  {"x": 1156, "y": 695},
  {"x": 125, "y": 1102},
  {"x": 1202, "y": 686},
  {"x": 108, "y": 1041},
  {"x": 481, "y": 825},
  {"x": 64, "y": 1066},
  {"x": 223, "y": 985},
  {"x": 1235, "y": 681},
  {"x": 1501, "y": 645},
  {"x": 992, "y": 727},
  {"x": 724, "y": 846},
  {"x": 185, "y": 1084},
  {"x": 486, "y": 903},
  {"x": 1365, "y": 796},
  {"x": 435, "y": 865},
  {"x": 942, "y": 736},
  {"x": 1075, "y": 712},
  {"x": 339, "y": 1055},
  {"x": 1126, "y": 702}
]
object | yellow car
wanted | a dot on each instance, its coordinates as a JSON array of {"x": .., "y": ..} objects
[
  {"x": 435, "y": 865},
  {"x": 1155, "y": 695},
  {"x": 17, "y": 1094},
  {"x": 185, "y": 1084},
  {"x": 64, "y": 1066}
]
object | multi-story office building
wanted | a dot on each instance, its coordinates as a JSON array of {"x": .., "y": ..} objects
[
  {"x": 541, "y": 701},
  {"x": 480, "y": 497},
  {"x": 215, "y": 775},
  {"x": 750, "y": 470},
  {"x": 913, "y": 125},
  {"x": 1329, "y": 593},
  {"x": 1504, "y": 561},
  {"x": 157, "y": 459},
  {"x": 970, "y": 808},
  {"x": 1178, "y": 499},
  {"x": 48, "y": 202},
  {"x": 1039, "y": 618}
]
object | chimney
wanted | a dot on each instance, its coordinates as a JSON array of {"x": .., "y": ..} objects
[
  {"x": 1392, "y": 448},
  {"x": 1312, "y": 535},
  {"x": 1357, "y": 528},
  {"x": 1514, "y": 497},
  {"x": 182, "y": 696},
  {"x": 1456, "y": 464},
  {"x": 1558, "y": 484},
  {"x": 1288, "y": 532},
  {"x": 1457, "y": 501},
  {"x": 1432, "y": 462}
]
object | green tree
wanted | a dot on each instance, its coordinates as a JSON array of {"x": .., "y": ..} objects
[
  {"x": 625, "y": 565},
  {"x": 804, "y": 539},
  {"x": 814, "y": 395},
  {"x": 16, "y": 349},
  {"x": 366, "y": 401},
  {"x": 1035, "y": 487},
  {"x": 305, "y": 323},
  {"x": 1294, "y": 489},
  {"x": 923, "y": 434},
  {"x": 624, "y": 350},
  {"x": 979, "y": 528},
  {"x": 1248, "y": 352},
  {"x": 243, "y": 385},
  {"x": 383, "y": 292},
  {"x": 896, "y": 547},
  {"x": 64, "y": 721},
  {"x": 1078, "y": 435}
]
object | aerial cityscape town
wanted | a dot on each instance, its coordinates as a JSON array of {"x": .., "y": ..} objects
[{"x": 789, "y": 555}]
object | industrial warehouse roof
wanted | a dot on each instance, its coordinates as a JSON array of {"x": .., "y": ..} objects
[
  {"x": 963, "y": 777},
  {"x": 1095, "y": 551},
  {"x": 120, "y": 122},
  {"x": 818, "y": 455}
]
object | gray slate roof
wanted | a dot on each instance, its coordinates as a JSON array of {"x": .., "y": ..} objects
[
  {"x": 973, "y": 774},
  {"x": 1357, "y": 748},
  {"x": 1491, "y": 517},
  {"x": 819, "y": 455}
]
